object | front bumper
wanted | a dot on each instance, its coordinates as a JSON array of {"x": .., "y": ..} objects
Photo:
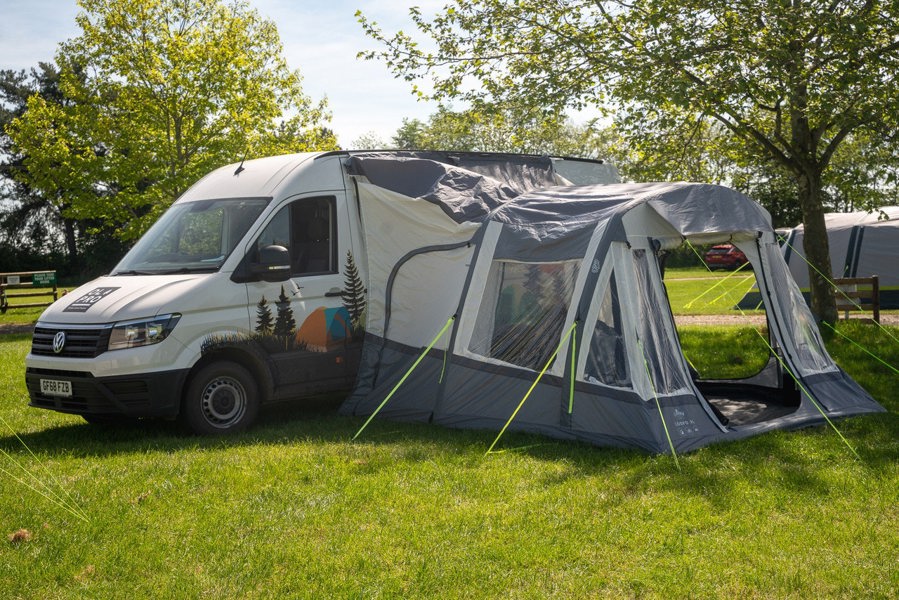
[{"x": 156, "y": 394}]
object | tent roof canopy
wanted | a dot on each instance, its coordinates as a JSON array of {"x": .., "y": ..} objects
[
  {"x": 469, "y": 185},
  {"x": 685, "y": 209},
  {"x": 884, "y": 214}
]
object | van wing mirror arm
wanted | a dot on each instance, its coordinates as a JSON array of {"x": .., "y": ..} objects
[{"x": 273, "y": 265}]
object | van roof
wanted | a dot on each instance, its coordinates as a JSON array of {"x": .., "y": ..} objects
[{"x": 261, "y": 177}]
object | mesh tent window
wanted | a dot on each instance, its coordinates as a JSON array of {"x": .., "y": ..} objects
[
  {"x": 606, "y": 359},
  {"x": 524, "y": 322},
  {"x": 811, "y": 355},
  {"x": 660, "y": 348}
]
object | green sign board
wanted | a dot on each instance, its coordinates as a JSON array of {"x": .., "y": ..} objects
[{"x": 44, "y": 278}]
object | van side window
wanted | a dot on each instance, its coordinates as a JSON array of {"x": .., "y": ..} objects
[{"x": 308, "y": 229}]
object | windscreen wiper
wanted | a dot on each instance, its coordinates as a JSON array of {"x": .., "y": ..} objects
[
  {"x": 186, "y": 270},
  {"x": 133, "y": 272}
]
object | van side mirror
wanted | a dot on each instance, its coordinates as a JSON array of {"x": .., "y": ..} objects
[{"x": 273, "y": 264}]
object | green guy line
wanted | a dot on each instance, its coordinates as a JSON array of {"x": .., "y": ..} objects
[
  {"x": 701, "y": 259},
  {"x": 655, "y": 395},
  {"x": 720, "y": 282},
  {"x": 53, "y": 499},
  {"x": 731, "y": 291},
  {"x": 409, "y": 372},
  {"x": 533, "y": 385},
  {"x": 68, "y": 506},
  {"x": 808, "y": 395},
  {"x": 862, "y": 348},
  {"x": 837, "y": 288}
]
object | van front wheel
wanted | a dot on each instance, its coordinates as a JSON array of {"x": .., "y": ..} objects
[{"x": 222, "y": 398}]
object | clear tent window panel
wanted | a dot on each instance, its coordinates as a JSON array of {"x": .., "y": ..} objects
[
  {"x": 523, "y": 325},
  {"x": 607, "y": 359},
  {"x": 810, "y": 353},
  {"x": 661, "y": 353}
]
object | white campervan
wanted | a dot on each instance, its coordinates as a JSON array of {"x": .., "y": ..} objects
[{"x": 250, "y": 289}]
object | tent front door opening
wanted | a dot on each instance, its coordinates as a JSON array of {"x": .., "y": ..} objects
[{"x": 730, "y": 353}]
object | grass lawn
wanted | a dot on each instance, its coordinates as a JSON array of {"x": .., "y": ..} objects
[
  {"x": 293, "y": 508},
  {"x": 697, "y": 291}
]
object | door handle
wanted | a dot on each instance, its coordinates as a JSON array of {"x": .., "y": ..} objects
[{"x": 333, "y": 292}]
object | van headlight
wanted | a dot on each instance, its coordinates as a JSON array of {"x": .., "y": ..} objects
[{"x": 142, "y": 332}]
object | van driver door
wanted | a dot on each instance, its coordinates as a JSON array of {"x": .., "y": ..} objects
[{"x": 304, "y": 324}]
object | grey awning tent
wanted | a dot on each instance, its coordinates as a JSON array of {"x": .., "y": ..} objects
[{"x": 531, "y": 270}]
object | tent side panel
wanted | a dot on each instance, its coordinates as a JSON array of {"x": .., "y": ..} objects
[
  {"x": 395, "y": 225},
  {"x": 383, "y": 365},
  {"x": 879, "y": 254},
  {"x": 608, "y": 416},
  {"x": 840, "y": 394},
  {"x": 484, "y": 396}
]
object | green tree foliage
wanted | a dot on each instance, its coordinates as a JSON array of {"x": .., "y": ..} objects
[
  {"x": 411, "y": 135},
  {"x": 862, "y": 173},
  {"x": 369, "y": 141},
  {"x": 791, "y": 81},
  {"x": 170, "y": 89},
  {"x": 27, "y": 220},
  {"x": 490, "y": 127}
]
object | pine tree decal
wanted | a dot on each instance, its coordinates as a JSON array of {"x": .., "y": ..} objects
[
  {"x": 264, "y": 321},
  {"x": 353, "y": 294},
  {"x": 284, "y": 322}
]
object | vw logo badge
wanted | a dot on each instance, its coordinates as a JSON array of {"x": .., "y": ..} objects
[{"x": 59, "y": 340}]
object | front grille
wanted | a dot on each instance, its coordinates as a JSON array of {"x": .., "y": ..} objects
[{"x": 81, "y": 342}]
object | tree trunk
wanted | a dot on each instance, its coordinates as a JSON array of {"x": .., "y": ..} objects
[
  {"x": 71, "y": 246},
  {"x": 817, "y": 248}
]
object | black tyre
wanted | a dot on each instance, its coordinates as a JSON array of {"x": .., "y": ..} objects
[{"x": 221, "y": 398}]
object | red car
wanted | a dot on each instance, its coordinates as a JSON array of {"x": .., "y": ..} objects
[{"x": 725, "y": 256}]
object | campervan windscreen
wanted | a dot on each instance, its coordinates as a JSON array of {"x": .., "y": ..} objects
[{"x": 192, "y": 237}]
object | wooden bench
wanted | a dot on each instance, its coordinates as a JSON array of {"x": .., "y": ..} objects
[
  {"x": 26, "y": 280},
  {"x": 859, "y": 294}
]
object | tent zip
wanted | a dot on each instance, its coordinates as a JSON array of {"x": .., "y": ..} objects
[
  {"x": 573, "y": 361},
  {"x": 391, "y": 279}
]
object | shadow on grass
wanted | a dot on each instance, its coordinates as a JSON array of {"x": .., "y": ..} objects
[
  {"x": 802, "y": 460},
  {"x": 316, "y": 418}
]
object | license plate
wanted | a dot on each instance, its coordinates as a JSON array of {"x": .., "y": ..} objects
[{"x": 56, "y": 387}]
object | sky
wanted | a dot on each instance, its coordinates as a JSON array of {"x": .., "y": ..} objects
[{"x": 321, "y": 39}]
